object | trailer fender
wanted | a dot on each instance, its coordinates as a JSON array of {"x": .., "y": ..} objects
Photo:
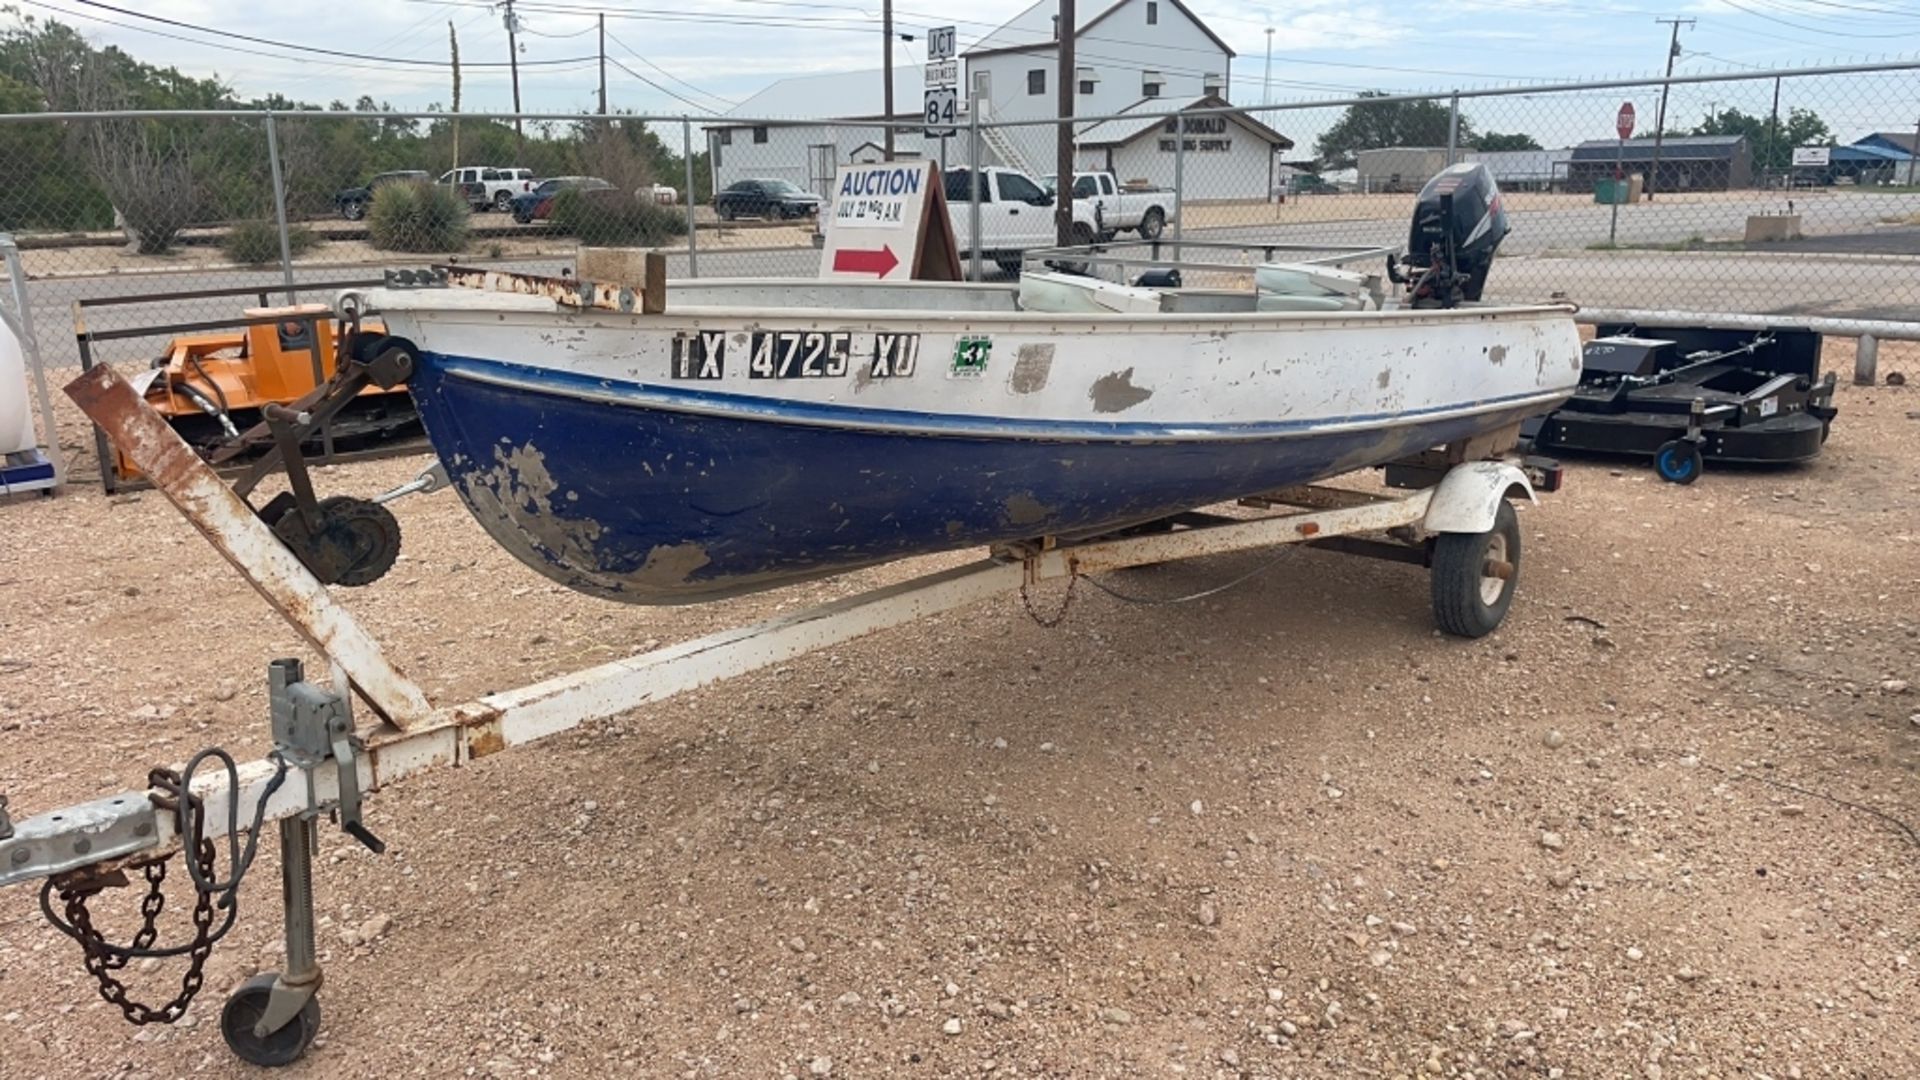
[{"x": 1468, "y": 498}]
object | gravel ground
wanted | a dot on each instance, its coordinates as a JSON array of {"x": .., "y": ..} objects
[{"x": 1651, "y": 828}]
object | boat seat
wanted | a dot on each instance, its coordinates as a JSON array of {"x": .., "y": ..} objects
[
  {"x": 1071, "y": 294},
  {"x": 1305, "y": 287}
]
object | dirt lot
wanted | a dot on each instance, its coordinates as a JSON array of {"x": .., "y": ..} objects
[{"x": 1657, "y": 826}]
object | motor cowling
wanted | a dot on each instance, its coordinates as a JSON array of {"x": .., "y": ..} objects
[{"x": 1458, "y": 223}]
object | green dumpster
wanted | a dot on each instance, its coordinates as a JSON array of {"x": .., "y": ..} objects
[{"x": 1608, "y": 191}]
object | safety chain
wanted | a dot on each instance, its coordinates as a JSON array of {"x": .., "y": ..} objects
[
  {"x": 173, "y": 794},
  {"x": 1066, "y": 602},
  {"x": 103, "y": 959}
]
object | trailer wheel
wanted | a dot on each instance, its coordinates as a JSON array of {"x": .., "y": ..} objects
[
  {"x": 1678, "y": 462},
  {"x": 244, "y": 1009},
  {"x": 1474, "y": 575}
]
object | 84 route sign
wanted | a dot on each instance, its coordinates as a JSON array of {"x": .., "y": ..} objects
[{"x": 942, "y": 102}]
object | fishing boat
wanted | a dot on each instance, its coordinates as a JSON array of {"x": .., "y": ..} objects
[{"x": 758, "y": 433}]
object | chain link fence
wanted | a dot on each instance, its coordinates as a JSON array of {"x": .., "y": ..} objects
[{"x": 1713, "y": 215}]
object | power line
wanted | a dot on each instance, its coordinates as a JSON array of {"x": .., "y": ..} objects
[
  {"x": 215, "y": 31},
  {"x": 1799, "y": 26},
  {"x": 636, "y": 55},
  {"x": 218, "y": 45},
  {"x": 708, "y": 109}
]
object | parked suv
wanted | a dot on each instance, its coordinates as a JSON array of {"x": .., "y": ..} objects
[
  {"x": 352, "y": 203},
  {"x": 489, "y": 188},
  {"x": 765, "y": 198}
]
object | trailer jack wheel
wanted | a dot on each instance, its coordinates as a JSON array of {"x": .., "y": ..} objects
[
  {"x": 1474, "y": 575},
  {"x": 1678, "y": 461},
  {"x": 241, "y": 1016}
]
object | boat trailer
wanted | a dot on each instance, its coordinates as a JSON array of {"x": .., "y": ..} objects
[{"x": 1457, "y": 519}]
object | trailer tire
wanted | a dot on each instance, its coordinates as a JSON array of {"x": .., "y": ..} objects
[
  {"x": 1467, "y": 600},
  {"x": 244, "y": 1008},
  {"x": 1678, "y": 461}
]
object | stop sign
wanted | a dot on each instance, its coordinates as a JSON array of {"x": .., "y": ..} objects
[{"x": 1623, "y": 123}]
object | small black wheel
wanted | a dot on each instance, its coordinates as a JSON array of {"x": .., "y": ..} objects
[
  {"x": 356, "y": 544},
  {"x": 1474, "y": 575},
  {"x": 243, "y": 1010},
  {"x": 1678, "y": 461},
  {"x": 353, "y": 210}
]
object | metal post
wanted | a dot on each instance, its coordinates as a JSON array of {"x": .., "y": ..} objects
[
  {"x": 1063, "y": 131},
  {"x": 280, "y": 207},
  {"x": 1915, "y": 156},
  {"x": 1866, "y": 360},
  {"x": 973, "y": 178},
  {"x": 603, "y": 63},
  {"x": 1453, "y": 128},
  {"x": 1179, "y": 178},
  {"x": 1619, "y": 178},
  {"x": 30, "y": 345},
  {"x": 686, "y": 155}
]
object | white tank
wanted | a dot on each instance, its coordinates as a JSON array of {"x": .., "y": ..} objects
[{"x": 16, "y": 406}]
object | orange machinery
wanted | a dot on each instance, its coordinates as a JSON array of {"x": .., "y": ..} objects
[{"x": 212, "y": 386}]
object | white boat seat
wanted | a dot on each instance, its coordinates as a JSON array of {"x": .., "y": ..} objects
[
  {"x": 1304, "y": 287},
  {"x": 1068, "y": 294}
]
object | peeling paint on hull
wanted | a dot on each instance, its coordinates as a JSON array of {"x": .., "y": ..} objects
[{"x": 617, "y": 496}]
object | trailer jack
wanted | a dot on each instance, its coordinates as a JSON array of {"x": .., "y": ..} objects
[{"x": 273, "y": 1017}]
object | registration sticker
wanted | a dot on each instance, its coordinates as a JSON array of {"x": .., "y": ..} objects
[{"x": 970, "y": 355}]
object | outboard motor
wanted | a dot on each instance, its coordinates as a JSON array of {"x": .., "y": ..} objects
[{"x": 1458, "y": 223}]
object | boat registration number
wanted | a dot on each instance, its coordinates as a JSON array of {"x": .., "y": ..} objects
[{"x": 797, "y": 354}]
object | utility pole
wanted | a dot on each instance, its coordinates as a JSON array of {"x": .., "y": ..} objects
[
  {"x": 886, "y": 44},
  {"x": 513, "y": 62},
  {"x": 603, "y": 63},
  {"x": 1660, "y": 117},
  {"x": 1063, "y": 146},
  {"x": 1266, "y": 84},
  {"x": 453, "y": 47}
]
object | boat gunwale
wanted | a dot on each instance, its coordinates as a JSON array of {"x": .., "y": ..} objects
[
  {"x": 921, "y": 424},
  {"x": 675, "y": 317}
]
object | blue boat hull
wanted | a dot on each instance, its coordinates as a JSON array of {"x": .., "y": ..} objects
[{"x": 604, "y": 489}]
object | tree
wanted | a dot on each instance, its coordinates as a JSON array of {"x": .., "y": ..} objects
[
  {"x": 1372, "y": 125},
  {"x": 1770, "y": 142},
  {"x": 1493, "y": 140}
]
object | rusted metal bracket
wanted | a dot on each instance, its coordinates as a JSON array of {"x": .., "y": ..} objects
[{"x": 231, "y": 526}]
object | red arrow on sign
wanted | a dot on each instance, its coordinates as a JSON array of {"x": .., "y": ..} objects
[{"x": 878, "y": 263}]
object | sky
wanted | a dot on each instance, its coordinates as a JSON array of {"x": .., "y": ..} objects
[{"x": 667, "y": 59}]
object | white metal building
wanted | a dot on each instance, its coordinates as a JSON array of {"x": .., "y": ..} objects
[
  {"x": 809, "y": 155},
  {"x": 1124, "y": 51},
  {"x": 1228, "y": 156}
]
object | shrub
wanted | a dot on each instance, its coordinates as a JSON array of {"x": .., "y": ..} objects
[
  {"x": 253, "y": 243},
  {"x": 616, "y": 219},
  {"x": 423, "y": 217}
]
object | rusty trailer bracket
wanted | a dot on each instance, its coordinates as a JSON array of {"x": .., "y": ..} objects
[{"x": 233, "y": 529}]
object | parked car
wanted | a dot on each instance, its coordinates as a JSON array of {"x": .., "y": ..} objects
[
  {"x": 1016, "y": 214},
  {"x": 1120, "y": 209},
  {"x": 537, "y": 204},
  {"x": 487, "y": 187},
  {"x": 352, "y": 203},
  {"x": 765, "y": 198}
]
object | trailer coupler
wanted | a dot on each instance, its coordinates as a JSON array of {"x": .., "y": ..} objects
[{"x": 83, "y": 851}]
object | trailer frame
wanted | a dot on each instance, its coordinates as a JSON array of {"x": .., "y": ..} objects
[{"x": 1457, "y": 520}]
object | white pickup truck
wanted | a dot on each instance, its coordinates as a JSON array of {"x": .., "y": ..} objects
[
  {"x": 490, "y": 188},
  {"x": 1016, "y": 215},
  {"x": 1122, "y": 209}
]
